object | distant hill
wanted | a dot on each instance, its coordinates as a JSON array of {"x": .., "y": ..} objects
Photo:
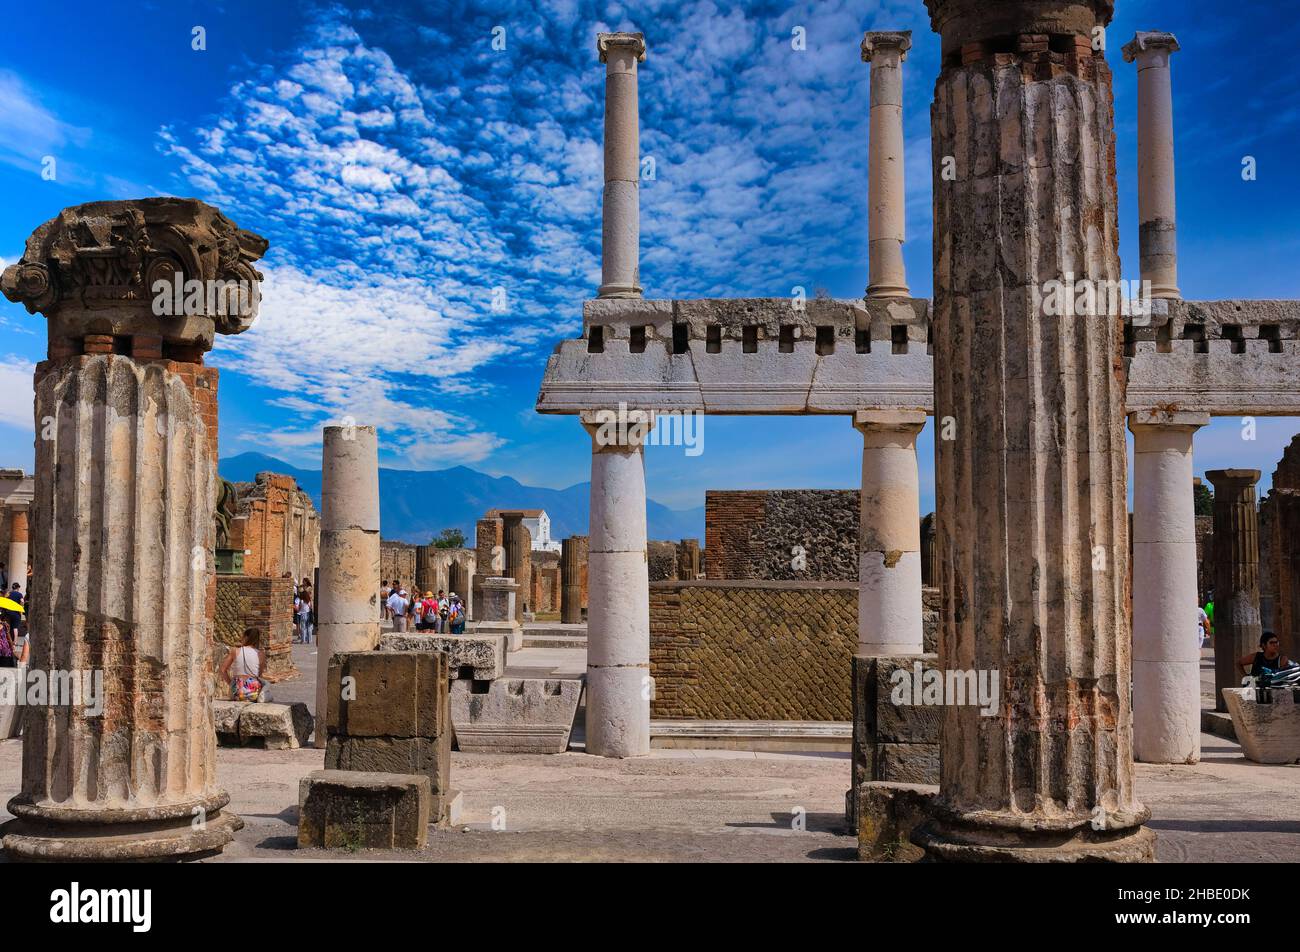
[{"x": 415, "y": 505}]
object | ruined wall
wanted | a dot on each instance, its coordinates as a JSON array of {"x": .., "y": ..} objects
[
  {"x": 267, "y": 603},
  {"x": 545, "y": 583},
  {"x": 397, "y": 561},
  {"x": 277, "y": 526},
  {"x": 752, "y": 534},
  {"x": 752, "y": 650}
]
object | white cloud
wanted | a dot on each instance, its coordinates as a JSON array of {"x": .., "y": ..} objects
[{"x": 16, "y": 394}]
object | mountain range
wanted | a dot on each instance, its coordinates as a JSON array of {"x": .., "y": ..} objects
[{"x": 416, "y": 505}]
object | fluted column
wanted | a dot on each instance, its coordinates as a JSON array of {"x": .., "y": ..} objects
[
  {"x": 18, "y": 548},
  {"x": 620, "y": 244},
  {"x": 1166, "y": 657},
  {"x": 348, "y": 601},
  {"x": 1157, "y": 233},
  {"x": 571, "y": 554},
  {"x": 886, "y": 194},
  {"x": 517, "y": 542},
  {"x": 1286, "y": 564},
  {"x": 1236, "y": 575},
  {"x": 619, "y": 686},
  {"x": 1031, "y": 491},
  {"x": 889, "y": 534},
  {"x": 123, "y": 531}
]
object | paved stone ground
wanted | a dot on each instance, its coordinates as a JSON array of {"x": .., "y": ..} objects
[{"x": 698, "y": 805}]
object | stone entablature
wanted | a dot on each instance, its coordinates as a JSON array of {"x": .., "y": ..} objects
[{"x": 766, "y": 355}]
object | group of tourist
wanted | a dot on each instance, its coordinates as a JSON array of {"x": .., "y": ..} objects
[
  {"x": 15, "y": 646},
  {"x": 442, "y": 613},
  {"x": 304, "y": 618}
]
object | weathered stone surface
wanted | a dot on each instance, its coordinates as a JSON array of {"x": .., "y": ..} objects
[
  {"x": 516, "y": 715},
  {"x": 1237, "y": 626},
  {"x": 874, "y": 710},
  {"x": 225, "y": 719},
  {"x": 348, "y": 809},
  {"x": 276, "y": 726},
  {"x": 887, "y": 814},
  {"x": 573, "y": 579},
  {"x": 481, "y": 657},
  {"x": 1268, "y": 733},
  {"x": 11, "y": 715},
  {"x": 430, "y": 756},
  {"x": 907, "y": 763},
  {"x": 390, "y": 694},
  {"x": 753, "y": 534}
]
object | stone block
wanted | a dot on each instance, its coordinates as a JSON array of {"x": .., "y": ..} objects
[
  {"x": 390, "y": 694},
  {"x": 874, "y": 713},
  {"x": 1268, "y": 733},
  {"x": 907, "y": 763},
  {"x": 482, "y": 658},
  {"x": 887, "y": 813},
  {"x": 515, "y": 716},
  {"x": 11, "y": 714},
  {"x": 430, "y": 756},
  {"x": 350, "y": 809},
  {"x": 275, "y": 726}
]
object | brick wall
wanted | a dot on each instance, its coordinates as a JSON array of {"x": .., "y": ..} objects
[
  {"x": 277, "y": 527},
  {"x": 243, "y": 601},
  {"x": 753, "y": 534},
  {"x": 751, "y": 650},
  {"x": 397, "y": 561}
]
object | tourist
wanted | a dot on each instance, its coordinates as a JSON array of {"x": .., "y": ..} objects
[
  {"x": 1202, "y": 626},
  {"x": 456, "y": 614},
  {"x": 397, "y": 610},
  {"x": 385, "y": 590},
  {"x": 1269, "y": 657},
  {"x": 243, "y": 668},
  {"x": 304, "y": 618},
  {"x": 15, "y": 618},
  {"x": 430, "y": 610},
  {"x": 417, "y": 613},
  {"x": 444, "y": 609}
]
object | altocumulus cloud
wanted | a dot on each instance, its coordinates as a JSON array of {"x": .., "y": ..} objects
[{"x": 406, "y": 172}]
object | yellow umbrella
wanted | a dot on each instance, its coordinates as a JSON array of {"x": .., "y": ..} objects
[{"x": 9, "y": 604}]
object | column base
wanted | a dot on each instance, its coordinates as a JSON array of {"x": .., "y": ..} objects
[
  {"x": 52, "y": 835},
  {"x": 618, "y": 291},
  {"x": 947, "y": 842},
  {"x": 888, "y": 291}
]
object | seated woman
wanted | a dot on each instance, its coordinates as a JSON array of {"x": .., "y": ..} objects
[
  {"x": 1269, "y": 656},
  {"x": 243, "y": 668}
]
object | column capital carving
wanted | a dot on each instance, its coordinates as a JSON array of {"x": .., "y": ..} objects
[
  {"x": 633, "y": 43},
  {"x": 617, "y": 430},
  {"x": 898, "y": 421},
  {"x": 174, "y": 268},
  {"x": 1167, "y": 419},
  {"x": 1149, "y": 41},
  {"x": 874, "y": 41},
  {"x": 1229, "y": 479}
]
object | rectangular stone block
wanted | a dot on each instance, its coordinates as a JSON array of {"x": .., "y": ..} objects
[
  {"x": 275, "y": 726},
  {"x": 875, "y": 716},
  {"x": 388, "y": 694},
  {"x": 1268, "y": 733},
  {"x": 887, "y": 814},
  {"x": 481, "y": 658},
  {"x": 430, "y": 756},
  {"x": 907, "y": 763},
  {"x": 348, "y": 809},
  {"x": 515, "y": 716}
]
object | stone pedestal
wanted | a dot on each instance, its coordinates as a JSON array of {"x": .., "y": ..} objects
[
  {"x": 1031, "y": 488},
  {"x": 1236, "y": 575},
  {"x": 499, "y": 612},
  {"x": 518, "y": 544},
  {"x": 1157, "y": 233},
  {"x": 1166, "y": 658},
  {"x": 889, "y": 534},
  {"x": 620, "y": 237},
  {"x": 886, "y": 197},
  {"x": 122, "y": 530},
  {"x": 18, "y": 549},
  {"x": 619, "y": 686},
  {"x": 347, "y": 607}
]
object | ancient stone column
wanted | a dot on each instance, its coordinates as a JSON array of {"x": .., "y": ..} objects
[
  {"x": 889, "y": 534},
  {"x": 18, "y": 548},
  {"x": 122, "y": 528},
  {"x": 1236, "y": 575},
  {"x": 929, "y": 554},
  {"x": 1286, "y": 565},
  {"x": 1166, "y": 657},
  {"x": 518, "y": 544},
  {"x": 348, "y": 600},
  {"x": 1031, "y": 507},
  {"x": 620, "y": 236},
  {"x": 886, "y": 195},
  {"x": 571, "y": 558},
  {"x": 619, "y": 686},
  {"x": 1157, "y": 235}
]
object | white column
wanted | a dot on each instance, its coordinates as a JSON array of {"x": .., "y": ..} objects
[
  {"x": 1166, "y": 656},
  {"x": 620, "y": 238},
  {"x": 18, "y": 548},
  {"x": 347, "y": 606},
  {"x": 886, "y": 194},
  {"x": 889, "y": 535},
  {"x": 619, "y": 686},
  {"x": 1157, "y": 234}
]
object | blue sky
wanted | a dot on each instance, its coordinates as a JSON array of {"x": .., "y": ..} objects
[{"x": 402, "y": 169}]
